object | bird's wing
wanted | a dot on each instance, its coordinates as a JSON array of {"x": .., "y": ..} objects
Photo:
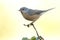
[
  {"x": 37, "y": 12},
  {"x": 31, "y": 12}
]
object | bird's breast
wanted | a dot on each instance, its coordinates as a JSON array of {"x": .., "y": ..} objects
[{"x": 30, "y": 17}]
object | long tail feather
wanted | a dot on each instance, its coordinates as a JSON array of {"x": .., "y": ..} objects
[{"x": 49, "y": 9}]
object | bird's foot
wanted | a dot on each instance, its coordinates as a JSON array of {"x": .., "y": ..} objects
[{"x": 31, "y": 23}]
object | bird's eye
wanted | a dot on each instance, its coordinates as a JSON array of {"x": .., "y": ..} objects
[{"x": 22, "y": 9}]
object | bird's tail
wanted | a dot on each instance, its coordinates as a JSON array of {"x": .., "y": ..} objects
[
  {"x": 46, "y": 10},
  {"x": 49, "y": 9}
]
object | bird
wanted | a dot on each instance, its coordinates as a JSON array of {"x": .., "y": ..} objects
[{"x": 31, "y": 14}]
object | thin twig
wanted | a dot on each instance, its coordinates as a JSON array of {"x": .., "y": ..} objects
[
  {"x": 36, "y": 31},
  {"x": 39, "y": 37}
]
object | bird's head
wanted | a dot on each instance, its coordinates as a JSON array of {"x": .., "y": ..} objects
[{"x": 23, "y": 9}]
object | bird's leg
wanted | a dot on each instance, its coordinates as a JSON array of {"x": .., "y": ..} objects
[{"x": 31, "y": 23}]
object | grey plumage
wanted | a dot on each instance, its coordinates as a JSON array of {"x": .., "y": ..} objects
[{"x": 31, "y": 14}]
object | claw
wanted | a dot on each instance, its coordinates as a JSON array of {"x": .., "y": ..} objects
[{"x": 31, "y": 24}]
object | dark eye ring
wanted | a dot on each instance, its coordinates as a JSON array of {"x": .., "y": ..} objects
[{"x": 22, "y": 9}]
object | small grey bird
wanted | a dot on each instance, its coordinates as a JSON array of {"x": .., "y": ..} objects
[{"x": 32, "y": 15}]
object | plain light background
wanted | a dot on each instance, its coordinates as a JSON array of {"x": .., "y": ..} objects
[{"x": 11, "y": 20}]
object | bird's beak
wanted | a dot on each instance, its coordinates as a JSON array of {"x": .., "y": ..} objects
[{"x": 18, "y": 10}]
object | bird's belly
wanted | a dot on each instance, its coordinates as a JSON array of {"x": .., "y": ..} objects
[{"x": 31, "y": 17}]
